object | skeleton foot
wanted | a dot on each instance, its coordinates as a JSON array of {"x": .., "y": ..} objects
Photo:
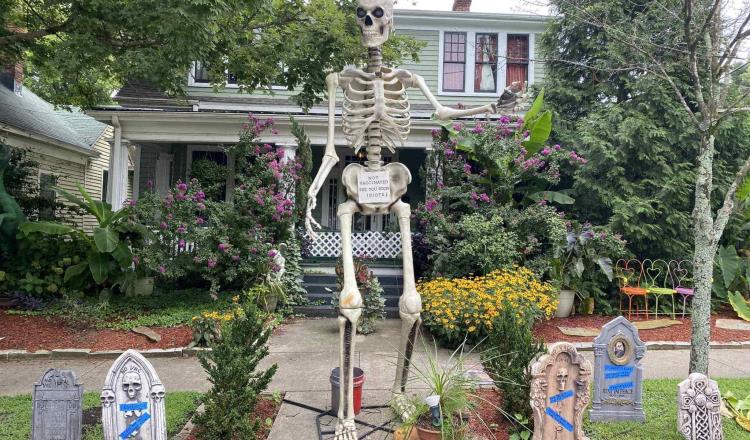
[
  {"x": 401, "y": 405},
  {"x": 346, "y": 430}
]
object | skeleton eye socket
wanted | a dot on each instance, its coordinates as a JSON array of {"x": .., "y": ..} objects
[
  {"x": 378, "y": 12},
  {"x": 361, "y": 13}
]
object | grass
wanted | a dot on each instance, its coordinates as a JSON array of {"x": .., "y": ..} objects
[
  {"x": 660, "y": 403},
  {"x": 162, "y": 309},
  {"x": 15, "y": 415}
]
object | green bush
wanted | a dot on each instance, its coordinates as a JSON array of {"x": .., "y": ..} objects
[
  {"x": 510, "y": 350},
  {"x": 232, "y": 369},
  {"x": 372, "y": 295}
]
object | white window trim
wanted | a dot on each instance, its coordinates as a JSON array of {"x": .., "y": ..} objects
[
  {"x": 193, "y": 83},
  {"x": 502, "y": 47}
]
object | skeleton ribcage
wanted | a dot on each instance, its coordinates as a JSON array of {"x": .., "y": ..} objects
[{"x": 376, "y": 110}]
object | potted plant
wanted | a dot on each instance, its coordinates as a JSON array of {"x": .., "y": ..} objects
[
  {"x": 267, "y": 295},
  {"x": 570, "y": 262},
  {"x": 443, "y": 414}
]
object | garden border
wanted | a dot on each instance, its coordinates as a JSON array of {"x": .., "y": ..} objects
[{"x": 185, "y": 352}]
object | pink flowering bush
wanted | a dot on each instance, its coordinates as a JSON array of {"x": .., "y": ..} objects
[{"x": 219, "y": 244}]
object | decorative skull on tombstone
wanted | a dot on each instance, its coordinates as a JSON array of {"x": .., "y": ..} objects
[{"x": 376, "y": 115}]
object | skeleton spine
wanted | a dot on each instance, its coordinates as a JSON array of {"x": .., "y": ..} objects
[{"x": 374, "y": 134}]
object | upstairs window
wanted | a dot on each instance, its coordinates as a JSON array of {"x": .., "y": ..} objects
[
  {"x": 485, "y": 64},
  {"x": 518, "y": 59},
  {"x": 454, "y": 61}
]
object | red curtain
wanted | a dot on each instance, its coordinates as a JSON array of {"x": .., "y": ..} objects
[{"x": 518, "y": 59}]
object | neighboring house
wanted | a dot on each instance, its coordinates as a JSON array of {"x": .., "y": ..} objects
[
  {"x": 469, "y": 58},
  {"x": 70, "y": 147}
]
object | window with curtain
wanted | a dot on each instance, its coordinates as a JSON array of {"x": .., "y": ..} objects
[
  {"x": 518, "y": 59},
  {"x": 485, "y": 66},
  {"x": 47, "y": 182},
  {"x": 200, "y": 73},
  {"x": 454, "y": 61}
]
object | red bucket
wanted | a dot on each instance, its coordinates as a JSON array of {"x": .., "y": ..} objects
[{"x": 359, "y": 380}]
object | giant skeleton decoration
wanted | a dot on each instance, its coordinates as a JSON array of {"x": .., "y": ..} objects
[{"x": 376, "y": 115}]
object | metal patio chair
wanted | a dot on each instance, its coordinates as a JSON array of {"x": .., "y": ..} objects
[
  {"x": 629, "y": 274},
  {"x": 683, "y": 281},
  {"x": 659, "y": 282}
]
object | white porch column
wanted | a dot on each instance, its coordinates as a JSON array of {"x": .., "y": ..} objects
[
  {"x": 136, "y": 171},
  {"x": 290, "y": 151},
  {"x": 118, "y": 171}
]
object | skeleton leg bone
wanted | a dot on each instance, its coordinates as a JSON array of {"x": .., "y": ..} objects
[
  {"x": 350, "y": 310},
  {"x": 410, "y": 306}
]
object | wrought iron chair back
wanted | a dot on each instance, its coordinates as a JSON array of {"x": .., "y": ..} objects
[
  {"x": 630, "y": 276},
  {"x": 681, "y": 271},
  {"x": 659, "y": 282}
]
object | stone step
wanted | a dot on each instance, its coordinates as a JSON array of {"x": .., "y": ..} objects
[
  {"x": 325, "y": 299},
  {"x": 327, "y": 289},
  {"x": 330, "y": 312},
  {"x": 385, "y": 280}
]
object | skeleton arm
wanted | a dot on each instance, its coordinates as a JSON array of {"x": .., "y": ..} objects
[
  {"x": 330, "y": 159},
  {"x": 446, "y": 113}
]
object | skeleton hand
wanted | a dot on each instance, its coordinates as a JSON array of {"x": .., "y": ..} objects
[{"x": 309, "y": 220}]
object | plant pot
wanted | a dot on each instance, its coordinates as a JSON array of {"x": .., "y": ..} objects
[
  {"x": 587, "y": 306},
  {"x": 269, "y": 303},
  {"x": 435, "y": 434},
  {"x": 359, "y": 380},
  {"x": 565, "y": 298},
  {"x": 143, "y": 286}
]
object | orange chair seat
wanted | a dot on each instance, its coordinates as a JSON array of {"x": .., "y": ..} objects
[{"x": 634, "y": 291}]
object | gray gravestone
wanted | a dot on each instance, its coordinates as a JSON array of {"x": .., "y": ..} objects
[
  {"x": 699, "y": 408},
  {"x": 57, "y": 406},
  {"x": 618, "y": 373},
  {"x": 133, "y": 400}
]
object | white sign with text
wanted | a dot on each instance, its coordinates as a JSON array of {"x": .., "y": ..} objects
[{"x": 374, "y": 187}]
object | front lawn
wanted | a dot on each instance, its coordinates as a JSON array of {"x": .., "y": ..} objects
[
  {"x": 660, "y": 403},
  {"x": 15, "y": 415}
]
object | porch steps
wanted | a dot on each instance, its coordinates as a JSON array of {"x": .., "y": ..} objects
[{"x": 320, "y": 282}]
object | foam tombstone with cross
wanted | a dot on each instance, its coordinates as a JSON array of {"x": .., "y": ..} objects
[{"x": 133, "y": 400}]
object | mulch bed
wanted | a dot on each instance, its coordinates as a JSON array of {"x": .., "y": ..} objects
[
  {"x": 32, "y": 333},
  {"x": 549, "y": 332},
  {"x": 265, "y": 409},
  {"x": 487, "y": 422}
]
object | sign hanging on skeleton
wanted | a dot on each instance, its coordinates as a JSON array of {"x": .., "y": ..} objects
[{"x": 374, "y": 187}]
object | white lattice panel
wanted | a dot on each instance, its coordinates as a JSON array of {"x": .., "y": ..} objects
[{"x": 372, "y": 244}]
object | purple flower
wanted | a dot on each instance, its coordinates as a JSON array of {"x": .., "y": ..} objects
[
  {"x": 430, "y": 205},
  {"x": 199, "y": 196},
  {"x": 149, "y": 184},
  {"x": 271, "y": 253},
  {"x": 162, "y": 270},
  {"x": 546, "y": 151},
  {"x": 181, "y": 229},
  {"x": 211, "y": 263},
  {"x": 458, "y": 126},
  {"x": 557, "y": 147},
  {"x": 449, "y": 152},
  {"x": 479, "y": 129},
  {"x": 200, "y": 221},
  {"x": 223, "y": 247},
  {"x": 181, "y": 244},
  {"x": 435, "y": 132},
  {"x": 182, "y": 187},
  {"x": 253, "y": 250},
  {"x": 201, "y": 206},
  {"x": 504, "y": 119},
  {"x": 235, "y": 258},
  {"x": 170, "y": 216},
  {"x": 163, "y": 226},
  {"x": 467, "y": 168},
  {"x": 484, "y": 197}
]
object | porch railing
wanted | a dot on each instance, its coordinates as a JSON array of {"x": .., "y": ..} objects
[{"x": 372, "y": 244}]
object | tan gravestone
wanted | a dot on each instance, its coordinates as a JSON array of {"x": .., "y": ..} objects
[
  {"x": 560, "y": 393},
  {"x": 699, "y": 408}
]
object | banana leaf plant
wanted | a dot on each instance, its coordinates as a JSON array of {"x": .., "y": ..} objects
[
  {"x": 737, "y": 409},
  {"x": 573, "y": 257},
  {"x": 109, "y": 258}
]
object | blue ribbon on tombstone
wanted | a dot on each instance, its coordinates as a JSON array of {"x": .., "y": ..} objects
[
  {"x": 617, "y": 371},
  {"x": 620, "y": 386},
  {"x": 559, "y": 419},
  {"x": 560, "y": 397},
  {"x": 137, "y": 423}
]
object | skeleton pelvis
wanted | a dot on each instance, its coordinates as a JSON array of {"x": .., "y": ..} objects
[{"x": 399, "y": 179}]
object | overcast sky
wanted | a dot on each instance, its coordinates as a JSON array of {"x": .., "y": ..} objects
[{"x": 503, "y": 6}]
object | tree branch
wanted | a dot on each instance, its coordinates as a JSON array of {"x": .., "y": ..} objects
[
  {"x": 722, "y": 217},
  {"x": 30, "y": 36}
]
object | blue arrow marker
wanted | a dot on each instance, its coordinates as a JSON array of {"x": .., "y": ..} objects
[
  {"x": 559, "y": 419},
  {"x": 140, "y": 406},
  {"x": 135, "y": 426},
  {"x": 560, "y": 397},
  {"x": 620, "y": 386}
]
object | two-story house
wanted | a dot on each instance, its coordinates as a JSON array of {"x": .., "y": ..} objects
[{"x": 469, "y": 58}]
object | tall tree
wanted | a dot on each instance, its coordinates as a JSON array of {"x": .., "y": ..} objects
[
  {"x": 79, "y": 51},
  {"x": 689, "y": 48}
]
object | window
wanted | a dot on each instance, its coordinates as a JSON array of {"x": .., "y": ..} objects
[
  {"x": 48, "y": 194},
  {"x": 105, "y": 185},
  {"x": 454, "y": 61},
  {"x": 518, "y": 59},
  {"x": 485, "y": 71},
  {"x": 200, "y": 73}
]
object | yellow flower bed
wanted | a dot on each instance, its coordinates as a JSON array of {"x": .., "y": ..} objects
[{"x": 456, "y": 308}]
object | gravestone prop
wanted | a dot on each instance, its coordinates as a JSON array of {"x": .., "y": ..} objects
[
  {"x": 618, "y": 374},
  {"x": 57, "y": 406},
  {"x": 699, "y": 408},
  {"x": 560, "y": 393},
  {"x": 133, "y": 400}
]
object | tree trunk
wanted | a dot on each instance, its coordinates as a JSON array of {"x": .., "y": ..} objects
[{"x": 703, "y": 258}]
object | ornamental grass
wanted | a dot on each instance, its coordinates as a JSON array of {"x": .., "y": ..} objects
[{"x": 465, "y": 308}]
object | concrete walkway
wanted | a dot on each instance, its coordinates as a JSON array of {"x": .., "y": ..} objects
[{"x": 306, "y": 350}]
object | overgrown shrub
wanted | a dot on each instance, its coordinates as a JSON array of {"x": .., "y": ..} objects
[
  {"x": 510, "y": 348},
  {"x": 232, "y": 368},
  {"x": 373, "y": 309},
  {"x": 459, "y": 308}
]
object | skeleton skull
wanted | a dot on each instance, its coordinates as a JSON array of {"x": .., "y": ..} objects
[
  {"x": 131, "y": 384},
  {"x": 562, "y": 378},
  {"x": 375, "y": 18}
]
